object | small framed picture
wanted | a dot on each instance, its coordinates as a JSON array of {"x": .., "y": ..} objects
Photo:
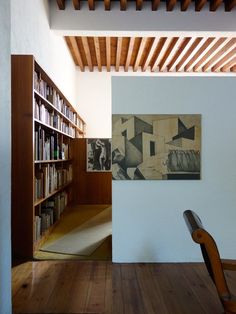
[{"x": 98, "y": 154}]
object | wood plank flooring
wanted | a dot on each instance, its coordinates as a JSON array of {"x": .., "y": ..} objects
[{"x": 100, "y": 287}]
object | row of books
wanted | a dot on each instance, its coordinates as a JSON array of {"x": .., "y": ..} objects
[
  {"x": 49, "y": 146},
  {"x": 53, "y": 97},
  {"x": 52, "y": 118},
  {"x": 49, "y": 178},
  {"x": 49, "y": 212}
]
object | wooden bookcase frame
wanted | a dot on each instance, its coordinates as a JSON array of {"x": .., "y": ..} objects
[{"x": 23, "y": 153}]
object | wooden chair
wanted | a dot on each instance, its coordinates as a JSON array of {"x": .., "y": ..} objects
[{"x": 214, "y": 264}]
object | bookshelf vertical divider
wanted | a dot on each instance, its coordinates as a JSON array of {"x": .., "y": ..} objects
[{"x": 44, "y": 125}]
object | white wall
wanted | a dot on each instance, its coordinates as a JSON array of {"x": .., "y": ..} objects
[
  {"x": 94, "y": 102},
  {"x": 31, "y": 34},
  {"x": 147, "y": 215},
  {"x": 5, "y": 159}
]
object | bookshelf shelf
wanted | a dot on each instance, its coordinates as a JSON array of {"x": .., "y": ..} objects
[
  {"x": 41, "y": 200},
  {"x": 49, "y": 127},
  {"x": 44, "y": 126},
  {"x": 52, "y": 107},
  {"x": 51, "y": 161}
]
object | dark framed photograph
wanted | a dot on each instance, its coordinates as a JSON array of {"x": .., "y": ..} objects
[{"x": 98, "y": 154}]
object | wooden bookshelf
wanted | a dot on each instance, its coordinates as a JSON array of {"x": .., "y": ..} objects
[{"x": 44, "y": 125}]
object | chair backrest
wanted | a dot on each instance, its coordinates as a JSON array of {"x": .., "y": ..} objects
[{"x": 210, "y": 254}]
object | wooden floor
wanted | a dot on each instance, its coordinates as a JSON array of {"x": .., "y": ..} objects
[{"x": 102, "y": 287}]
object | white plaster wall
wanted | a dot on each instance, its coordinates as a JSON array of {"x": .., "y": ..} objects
[
  {"x": 147, "y": 215},
  {"x": 31, "y": 34},
  {"x": 94, "y": 102},
  {"x": 5, "y": 161}
]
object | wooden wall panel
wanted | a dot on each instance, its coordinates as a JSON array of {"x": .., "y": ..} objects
[
  {"x": 88, "y": 187},
  {"x": 22, "y": 157}
]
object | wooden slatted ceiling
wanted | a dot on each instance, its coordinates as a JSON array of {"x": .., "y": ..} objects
[
  {"x": 149, "y": 54},
  {"x": 182, "y": 5}
]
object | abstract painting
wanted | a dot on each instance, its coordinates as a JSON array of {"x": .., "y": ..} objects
[
  {"x": 98, "y": 154},
  {"x": 156, "y": 147}
]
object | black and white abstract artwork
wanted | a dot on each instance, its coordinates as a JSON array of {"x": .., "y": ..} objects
[
  {"x": 156, "y": 147},
  {"x": 98, "y": 154}
]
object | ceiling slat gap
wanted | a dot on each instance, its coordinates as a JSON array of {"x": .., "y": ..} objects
[
  {"x": 202, "y": 50},
  {"x": 107, "y": 5},
  {"x": 91, "y": 5},
  {"x": 172, "y": 50},
  {"x": 228, "y": 66},
  {"x": 215, "y": 4},
  {"x": 98, "y": 55},
  {"x": 123, "y": 5},
  {"x": 161, "y": 54},
  {"x": 211, "y": 52},
  {"x": 108, "y": 53},
  {"x": 87, "y": 53},
  {"x": 199, "y": 4},
  {"x": 77, "y": 54},
  {"x": 61, "y": 4},
  {"x": 189, "y": 54},
  {"x": 129, "y": 54},
  {"x": 118, "y": 53},
  {"x": 140, "y": 52},
  {"x": 170, "y": 4},
  {"x": 224, "y": 60},
  {"x": 222, "y": 52},
  {"x": 76, "y": 4},
  {"x": 155, "y": 4},
  {"x": 187, "y": 42}
]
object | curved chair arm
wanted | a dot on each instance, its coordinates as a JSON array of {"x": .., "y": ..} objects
[{"x": 229, "y": 264}]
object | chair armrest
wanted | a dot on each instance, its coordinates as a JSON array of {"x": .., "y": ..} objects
[{"x": 228, "y": 264}]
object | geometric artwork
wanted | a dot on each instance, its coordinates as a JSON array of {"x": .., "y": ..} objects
[
  {"x": 98, "y": 154},
  {"x": 156, "y": 147}
]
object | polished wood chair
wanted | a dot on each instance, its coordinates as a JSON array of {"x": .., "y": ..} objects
[{"x": 214, "y": 264}]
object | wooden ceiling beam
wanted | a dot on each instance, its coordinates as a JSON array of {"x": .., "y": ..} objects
[
  {"x": 76, "y": 4},
  {"x": 214, "y": 4},
  {"x": 202, "y": 51},
  {"x": 107, "y": 5},
  {"x": 161, "y": 54},
  {"x": 98, "y": 54},
  {"x": 108, "y": 53},
  {"x": 170, "y": 4},
  {"x": 189, "y": 54},
  {"x": 199, "y": 4},
  {"x": 91, "y": 5},
  {"x": 211, "y": 53},
  {"x": 219, "y": 55},
  {"x": 129, "y": 54},
  {"x": 140, "y": 53},
  {"x": 233, "y": 69},
  {"x": 61, "y": 4},
  {"x": 185, "y": 4},
  {"x": 118, "y": 53},
  {"x": 76, "y": 51},
  {"x": 229, "y": 5},
  {"x": 123, "y": 5},
  {"x": 155, "y": 4},
  {"x": 187, "y": 42},
  {"x": 223, "y": 61},
  {"x": 139, "y": 5},
  {"x": 150, "y": 54},
  {"x": 228, "y": 66},
  {"x": 173, "y": 47},
  {"x": 87, "y": 53}
]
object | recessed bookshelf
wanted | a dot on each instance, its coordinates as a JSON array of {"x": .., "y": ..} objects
[{"x": 44, "y": 125}]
